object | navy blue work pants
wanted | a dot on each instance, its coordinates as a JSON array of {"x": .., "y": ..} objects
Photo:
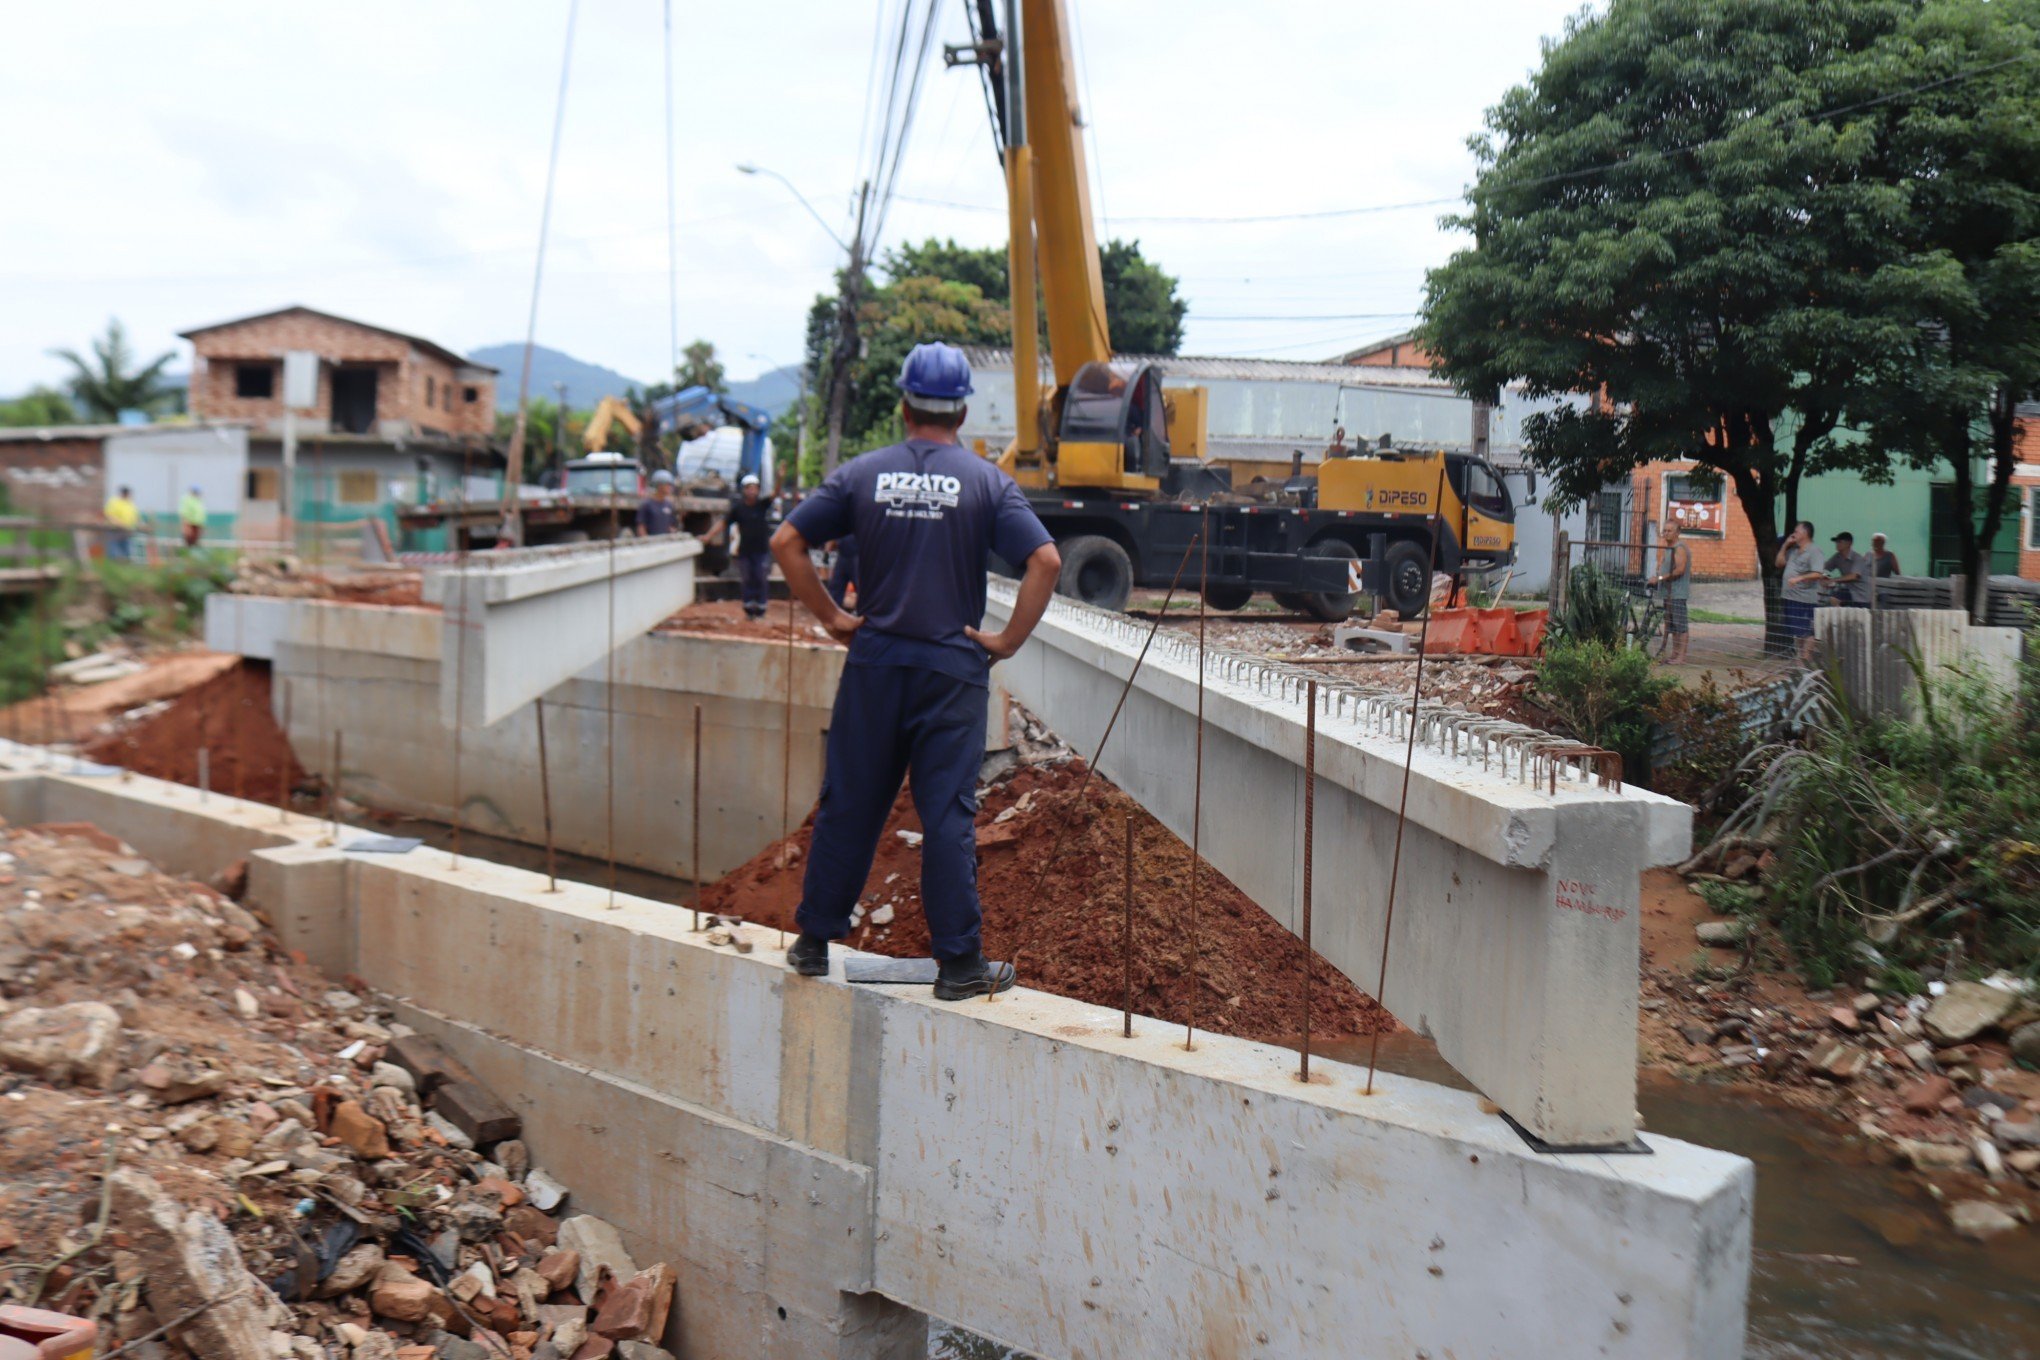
[
  {"x": 891, "y": 721},
  {"x": 755, "y": 570}
]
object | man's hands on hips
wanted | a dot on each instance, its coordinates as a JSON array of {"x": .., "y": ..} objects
[
  {"x": 998, "y": 644},
  {"x": 843, "y": 625}
]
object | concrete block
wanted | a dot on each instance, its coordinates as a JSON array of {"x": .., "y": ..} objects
[
  {"x": 521, "y": 622},
  {"x": 1516, "y": 927},
  {"x": 774, "y": 1234},
  {"x": 303, "y": 888}
]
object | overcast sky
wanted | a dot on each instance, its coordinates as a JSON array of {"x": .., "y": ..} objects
[{"x": 175, "y": 165}]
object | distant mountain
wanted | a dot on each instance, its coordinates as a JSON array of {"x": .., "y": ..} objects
[
  {"x": 586, "y": 383},
  {"x": 772, "y": 391}
]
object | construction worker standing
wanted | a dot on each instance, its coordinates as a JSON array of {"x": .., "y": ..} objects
[
  {"x": 656, "y": 514},
  {"x": 913, "y": 697},
  {"x": 750, "y": 515}
]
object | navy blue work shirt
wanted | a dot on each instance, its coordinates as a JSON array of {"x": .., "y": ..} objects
[
  {"x": 927, "y": 518},
  {"x": 656, "y": 516},
  {"x": 750, "y": 525}
]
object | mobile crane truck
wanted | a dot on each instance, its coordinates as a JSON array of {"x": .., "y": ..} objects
[{"x": 1097, "y": 455}]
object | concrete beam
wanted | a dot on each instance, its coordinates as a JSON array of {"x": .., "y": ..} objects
[
  {"x": 374, "y": 674},
  {"x": 526, "y": 620},
  {"x": 1516, "y": 932},
  {"x": 837, "y": 1163}
]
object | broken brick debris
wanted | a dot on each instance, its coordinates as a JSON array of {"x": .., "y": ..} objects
[{"x": 300, "y": 1178}]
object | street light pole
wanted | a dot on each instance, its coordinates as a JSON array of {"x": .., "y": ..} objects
[{"x": 846, "y": 338}]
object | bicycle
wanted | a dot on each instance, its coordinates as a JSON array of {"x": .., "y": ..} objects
[{"x": 1647, "y": 622}]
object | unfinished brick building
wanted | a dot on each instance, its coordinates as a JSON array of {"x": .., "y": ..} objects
[{"x": 372, "y": 380}]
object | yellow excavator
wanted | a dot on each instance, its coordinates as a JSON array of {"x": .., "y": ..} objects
[{"x": 1114, "y": 462}]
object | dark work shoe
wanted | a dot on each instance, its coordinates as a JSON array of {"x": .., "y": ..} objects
[
  {"x": 976, "y": 975},
  {"x": 809, "y": 956}
]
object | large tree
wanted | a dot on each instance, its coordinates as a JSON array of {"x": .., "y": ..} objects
[
  {"x": 939, "y": 290},
  {"x": 1678, "y": 220},
  {"x": 1967, "y": 149},
  {"x": 39, "y": 406},
  {"x": 700, "y": 368},
  {"x": 112, "y": 380}
]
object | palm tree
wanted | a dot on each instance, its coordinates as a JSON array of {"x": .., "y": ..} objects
[{"x": 106, "y": 386}]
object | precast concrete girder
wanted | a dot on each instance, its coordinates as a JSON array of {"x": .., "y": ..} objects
[
  {"x": 842, "y": 1162},
  {"x": 522, "y": 621},
  {"x": 1515, "y": 933}
]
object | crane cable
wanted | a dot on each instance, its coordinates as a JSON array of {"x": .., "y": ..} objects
[
  {"x": 513, "y": 518},
  {"x": 672, "y": 217}
]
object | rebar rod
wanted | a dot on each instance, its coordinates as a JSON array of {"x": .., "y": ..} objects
[
  {"x": 1126, "y": 931},
  {"x": 552, "y": 877},
  {"x": 1402, "y": 811},
  {"x": 609, "y": 703},
  {"x": 1309, "y": 842},
  {"x": 1197, "y": 785},
  {"x": 1063, "y": 823},
  {"x": 695, "y": 875}
]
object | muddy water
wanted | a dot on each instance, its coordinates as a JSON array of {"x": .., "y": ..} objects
[{"x": 1917, "y": 1292}]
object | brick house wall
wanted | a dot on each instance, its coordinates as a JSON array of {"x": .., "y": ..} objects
[
  {"x": 59, "y": 479},
  {"x": 1730, "y": 555},
  {"x": 421, "y": 387},
  {"x": 1398, "y": 351},
  {"x": 2027, "y": 481}
]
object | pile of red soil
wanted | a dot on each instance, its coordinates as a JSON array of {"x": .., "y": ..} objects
[
  {"x": 725, "y": 618},
  {"x": 229, "y": 717},
  {"x": 1065, "y": 930}
]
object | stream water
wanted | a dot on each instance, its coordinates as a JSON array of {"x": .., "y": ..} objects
[{"x": 1916, "y": 1292}]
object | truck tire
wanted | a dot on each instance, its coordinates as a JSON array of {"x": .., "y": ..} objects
[
  {"x": 1331, "y": 606},
  {"x": 1225, "y": 595},
  {"x": 1095, "y": 570},
  {"x": 1409, "y": 579}
]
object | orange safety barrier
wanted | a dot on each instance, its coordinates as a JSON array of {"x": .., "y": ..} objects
[
  {"x": 34, "y": 1334},
  {"x": 1486, "y": 632}
]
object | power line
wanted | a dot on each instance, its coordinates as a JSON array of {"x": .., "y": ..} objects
[
  {"x": 1319, "y": 316},
  {"x": 1322, "y": 214},
  {"x": 672, "y": 224}
]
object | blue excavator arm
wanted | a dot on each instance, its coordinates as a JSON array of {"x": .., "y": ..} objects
[{"x": 692, "y": 406}]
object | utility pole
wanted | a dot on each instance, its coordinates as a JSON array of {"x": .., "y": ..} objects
[
  {"x": 846, "y": 338},
  {"x": 560, "y": 425}
]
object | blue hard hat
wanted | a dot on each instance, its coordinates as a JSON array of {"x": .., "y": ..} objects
[
  {"x": 936, "y": 377},
  {"x": 662, "y": 478}
]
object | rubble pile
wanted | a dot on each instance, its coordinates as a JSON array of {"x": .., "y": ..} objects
[
  {"x": 286, "y": 576},
  {"x": 1945, "y": 1083},
  {"x": 215, "y": 1152}
]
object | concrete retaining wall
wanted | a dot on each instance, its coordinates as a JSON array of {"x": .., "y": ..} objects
[
  {"x": 373, "y": 674},
  {"x": 1516, "y": 931},
  {"x": 829, "y": 1165}
]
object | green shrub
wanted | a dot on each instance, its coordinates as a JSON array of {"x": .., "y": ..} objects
[
  {"x": 1596, "y": 608},
  {"x": 1729, "y": 899},
  {"x": 1604, "y": 695},
  {"x": 1920, "y": 835},
  {"x": 1708, "y": 743}
]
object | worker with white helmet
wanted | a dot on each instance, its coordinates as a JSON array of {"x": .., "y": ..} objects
[
  {"x": 927, "y": 517},
  {"x": 751, "y": 516}
]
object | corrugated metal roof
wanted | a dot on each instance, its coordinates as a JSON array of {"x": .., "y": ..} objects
[
  {"x": 44, "y": 434},
  {"x": 1243, "y": 370}
]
